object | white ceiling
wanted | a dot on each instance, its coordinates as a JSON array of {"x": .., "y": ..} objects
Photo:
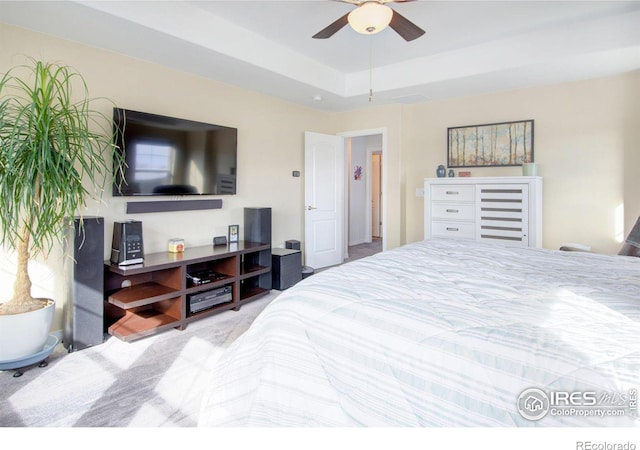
[{"x": 470, "y": 47}]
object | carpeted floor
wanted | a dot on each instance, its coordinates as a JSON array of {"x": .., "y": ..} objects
[
  {"x": 153, "y": 382},
  {"x": 361, "y": 251},
  {"x": 364, "y": 250}
]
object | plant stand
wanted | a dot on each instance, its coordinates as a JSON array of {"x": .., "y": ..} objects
[{"x": 39, "y": 359}]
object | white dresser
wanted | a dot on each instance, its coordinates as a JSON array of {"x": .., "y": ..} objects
[{"x": 504, "y": 209}]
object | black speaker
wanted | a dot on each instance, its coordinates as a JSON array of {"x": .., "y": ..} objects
[
  {"x": 286, "y": 268},
  {"x": 293, "y": 244},
  {"x": 257, "y": 225},
  {"x": 84, "y": 325}
]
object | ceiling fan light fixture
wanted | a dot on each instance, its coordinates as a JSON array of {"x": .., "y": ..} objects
[{"x": 371, "y": 17}]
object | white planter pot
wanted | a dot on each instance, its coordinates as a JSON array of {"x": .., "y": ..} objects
[{"x": 22, "y": 335}]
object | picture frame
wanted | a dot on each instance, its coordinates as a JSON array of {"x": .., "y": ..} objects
[
  {"x": 234, "y": 232},
  {"x": 357, "y": 173},
  {"x": 490, "y": 145}
]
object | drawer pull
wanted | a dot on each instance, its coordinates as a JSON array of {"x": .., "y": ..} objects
[
  {"x": 453, "y": 211},
  {"x": 452, "y": 192},
  {"x": 452, "y": 229}
]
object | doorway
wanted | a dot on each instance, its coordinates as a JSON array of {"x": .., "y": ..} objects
[
  {"x": 328, "y": 172},
  {"x": 364, "y": 195}
]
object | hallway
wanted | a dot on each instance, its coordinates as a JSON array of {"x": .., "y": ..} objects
[{"x": 364, "y": 250}]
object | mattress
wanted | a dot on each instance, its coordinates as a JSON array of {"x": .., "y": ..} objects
[{"x": 442, "y": 333}]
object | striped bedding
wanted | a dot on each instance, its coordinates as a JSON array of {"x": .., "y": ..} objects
[{"x": 441, "y": 333}]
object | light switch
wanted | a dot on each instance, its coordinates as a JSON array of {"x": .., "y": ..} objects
[{"x": 419, "y": 192}]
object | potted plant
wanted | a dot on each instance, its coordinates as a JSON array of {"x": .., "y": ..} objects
[{"x": 54, "y": 155}]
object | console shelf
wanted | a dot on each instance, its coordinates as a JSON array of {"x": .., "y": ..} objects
[
  {"x": 138, "y": 325},
  {"x": 250, "y": 271},
  {"x": 249, "y": 294},
  {"x": 141, "y": 294},
  {"x": 148, "y": 298}
]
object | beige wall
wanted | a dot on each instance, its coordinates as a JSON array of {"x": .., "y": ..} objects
[
  {"x": 587, "y": 146},
  {"x": 270, "y": 147},
  {"x": 586, "y": 141}
]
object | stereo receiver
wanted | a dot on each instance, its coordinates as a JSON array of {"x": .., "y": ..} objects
[{"x": 208, "y": 299}]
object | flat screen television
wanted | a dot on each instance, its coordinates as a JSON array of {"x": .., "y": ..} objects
[{"x": 170, "y": 156}]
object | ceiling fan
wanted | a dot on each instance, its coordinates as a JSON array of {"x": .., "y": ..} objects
[{"x": 372, "y": 16}]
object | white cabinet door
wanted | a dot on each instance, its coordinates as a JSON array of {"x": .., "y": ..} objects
[{"x": 502, "y": 212}]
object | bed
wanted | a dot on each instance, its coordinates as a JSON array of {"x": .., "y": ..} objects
[{"x": 442, "y": 333}]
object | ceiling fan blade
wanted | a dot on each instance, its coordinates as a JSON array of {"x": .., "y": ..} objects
[
  {"x": 333, "y": 28},
  {"x": 405, "y": 28}
]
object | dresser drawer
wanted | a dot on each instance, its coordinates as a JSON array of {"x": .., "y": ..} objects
[
  {"x": 461, "y": 230},
  {"x": 453, "y": 192},
  {"x": 450, "y": 210}
]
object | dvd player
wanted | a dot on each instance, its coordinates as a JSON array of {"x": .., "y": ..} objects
[
  {"x": 208, "y": 299},
  {"x": 205, "y": 276}
]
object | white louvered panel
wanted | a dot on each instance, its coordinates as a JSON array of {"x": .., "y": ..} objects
[{"x": 502, "y": 212}]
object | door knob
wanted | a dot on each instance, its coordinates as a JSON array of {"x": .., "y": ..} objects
[{"x": 309, "y": 208}]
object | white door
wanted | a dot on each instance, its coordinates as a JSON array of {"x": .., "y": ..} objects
[{"x": 324, "y": 199}]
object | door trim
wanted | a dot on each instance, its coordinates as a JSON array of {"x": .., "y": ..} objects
[
  {"x": 383, "y": 207},
  {"x": 369, "y": 199}
]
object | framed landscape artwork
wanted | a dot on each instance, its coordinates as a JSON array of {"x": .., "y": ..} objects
[{"x": 490, "y": 145}]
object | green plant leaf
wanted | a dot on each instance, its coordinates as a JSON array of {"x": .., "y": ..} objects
[{"x": 55, "y": 152}]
